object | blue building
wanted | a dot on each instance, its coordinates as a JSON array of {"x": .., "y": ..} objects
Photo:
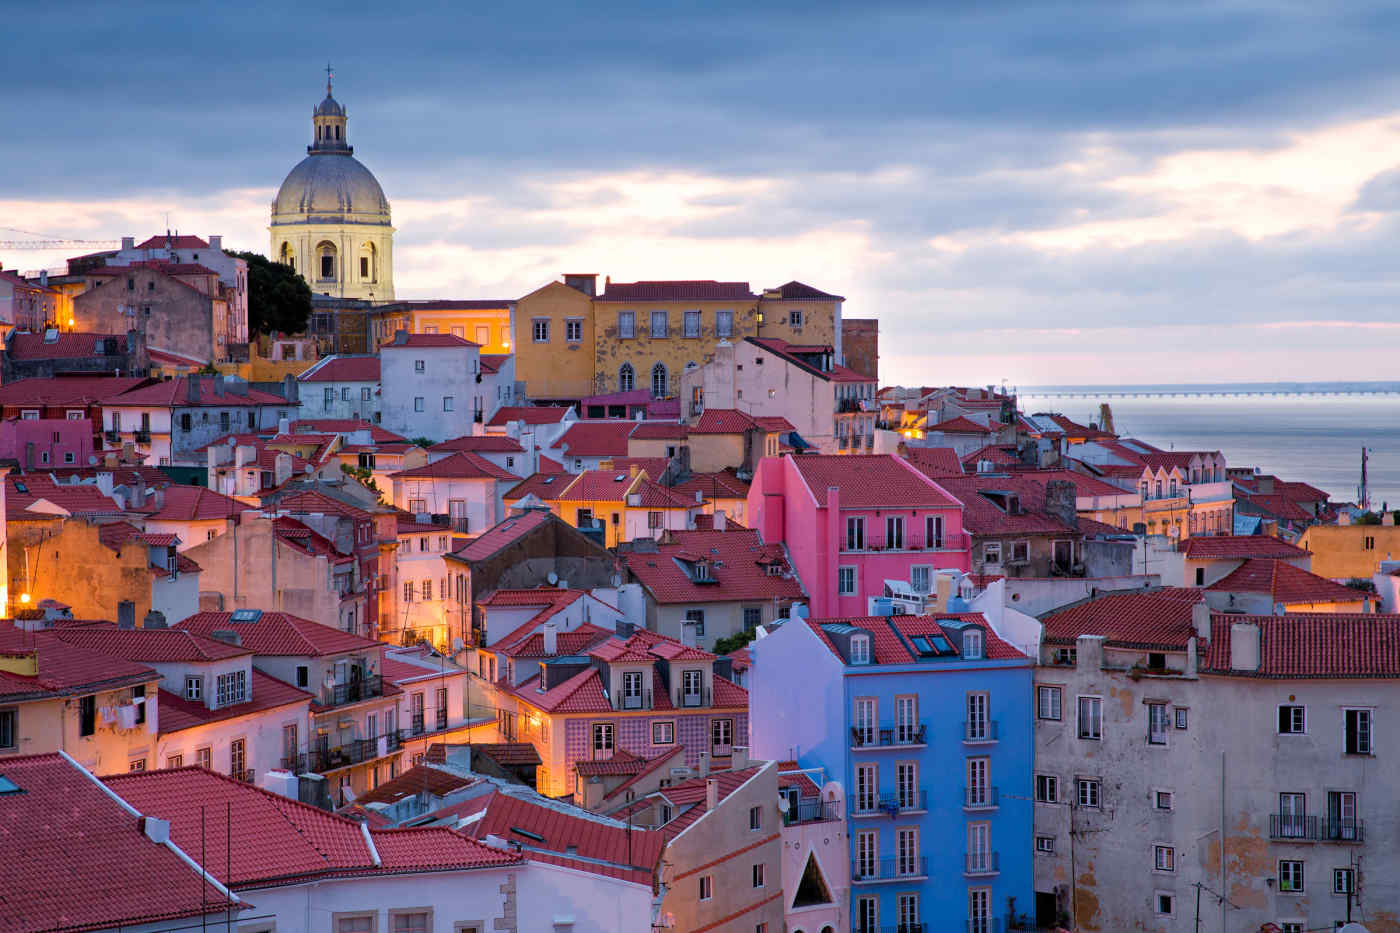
[{"x": 926, "y": 723}]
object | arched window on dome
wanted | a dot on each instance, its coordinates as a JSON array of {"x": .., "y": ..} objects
[
  {"x": 325, "y": 251},
  {"x": 658, "y": 381},
  {"x": 369, "y": 264},
  {"x": 626, "y": 378},
  {"x": 287, "y": 257}
]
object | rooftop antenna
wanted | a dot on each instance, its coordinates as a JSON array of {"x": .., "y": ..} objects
[{"x": 329, "y": 74}]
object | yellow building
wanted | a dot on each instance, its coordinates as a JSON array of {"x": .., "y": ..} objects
[
  {"x": 483, "y": 322},
  {"x": 571, "y": 342},
  {"x": 1345, "y": 552},
  {"x": 624, "y": 506}
]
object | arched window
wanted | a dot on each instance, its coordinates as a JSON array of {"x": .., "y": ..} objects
[
  {"x": 658, "y": 381},
  {"x": 326, "y": 251},
  {"x": 286, "y": 256},
  {"x": 626, "y": 378},
  {"x": 369, "y": 265}
]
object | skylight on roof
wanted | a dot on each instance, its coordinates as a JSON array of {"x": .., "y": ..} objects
[
  {"x": 548, "y": 480},
  {"x": 8, "y": 786},
  {"x": 246, "y": 615}
]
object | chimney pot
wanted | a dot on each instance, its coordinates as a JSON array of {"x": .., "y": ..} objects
[{"x": 711, "y": 795}]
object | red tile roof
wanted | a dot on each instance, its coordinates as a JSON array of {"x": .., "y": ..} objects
[
  {"x": 1277, "y": 506},
  {"x": 960, "y": 425},
  {"x": 509, "y": 754},
  {"x": 465, "y": 464},
  {"x": 794, "y": 354},
  {"x": 196, "y": 504},
  {"x": 983, "y": 516},
  {"x": 550, "y": 466},
  {"x": 739, "y": 565},
  {"x": 480, "y": 443},
  {"x": 343, "y": 369},
  {"x": 1238, "y": 547},
  {"x": 724, "y": 484},
  {"x": 75, "y": 498},
  {"x": 281, "y": 634},
  {"x": 797, "y": 291},
  {"x": 81, "y": 861},
  {"x": 416, "y": 780},
  {"x": 292, "y": 532},
  {"x": 453, "y": 304},
  {"x": 659, "y": 431},
  {"x": 23, "y": 346},
  {"x": 492, "y": 362},
  {"x": 998, "y": 454},
  {"x": 318, "y": 503},
  {"x": 733, "y": 421},
  {"x": 790, "y": 776},
  {"x": 177, "y": 713},
  {"x": 870, "y": 481},
  {"x": 581, "y": 693},
  {"x": 62, "y": 669},
  {"x": 531, "y": 644},
  {"x": 596, "y": 439},
  {"x": 1307, "y": 645},
  {"x": 175, "y": 241},
  {"x": 426, "y": 341},
  {"x": 934, "y": 461},
  {"x": 147, "y": 645},
  {"x": 174, "y": 393},
  {"x": 1284, "y": 583},
  {"x": 432, "y": 848},
  {"x": 377, "y": 434},
  {"x": 696, "y": 290},
  {"x": 502, "y": 535},
  {"x": 1160, "y": 618},
  {"x": 67, "y": 390},
  {"x": 527, "y": 414},
  {"x": 692, "y": 794}
]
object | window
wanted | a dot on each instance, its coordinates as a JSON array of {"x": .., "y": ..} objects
[
  {"x": 979, "y": 910},
  {"x": 1091, "y": 717},
  {"x": 658, "y": 324},
  {"x": 1290, "y": 875},
  {"x": 972, "y": 644},
  {"x": 1200, "y": 576},
  {"x": 860, "y": 649},
  {"x": 1292, "y": 720},
  {"x": 1047, "y": 788},
  {"x": 1292, "y": 815},
  {"x": 573, "y": 330},
  {"x": 845, "y": 581},
  {"x": 721, "y": 736},
  {"x": 906, "y": 720},
  {"x": 691, "y": 323},
  {"x": 539, "y": 330},
  {"x": 175, "y": 761},
  {"x": 755, "y": 818},
  {"x": 87, "y": 715},
  {"x": 1163, "y": 858},
  {"x": 626, "y": 325},
  {"x": 626, "y": 378},
  {"x": 894, "y": 532},
  {"x": 345, "y": 393},
  {"x": 867, "y": 783},
  {"x": 602, "y": 740},
  {"x": 1161, "y": 800},
  {"x": 237, "y": 758},
  {"x": 408, "y": 591},
  {"x": 1045, "y": 844},
  {"x": 448, "y": 403},
  {"x": 753, "y": 618},
  {"x": 1344, "y": 881},
  {"x": 416, "y": 922},
  {"x": 697, "y": 617},
  {"x": 1358, "y": 732},
  {"x": 1020, "y": 552},
  {"x": 707, "y": 887},
  {"x": 758, "y": 874},
  {"x": 794, "y": 318},
  {"x": 9, "y": 729},
  {"x": 908, "y": 905},
  {"x": 991, "y": 552},
  {"x": 906, "y": 783},
  {"x": 363, "y": 923},
  {"x": 867, "y": 908},
  {"x": 1341, "y": 816},
  {"x": 1157, "y": 723},
  {"x": 855, "y": 534},
  {"x": 1180, "y": 713},
  {"x": 978, "y": 782},
  {"x": 1088, "y": 792},
  {"x": 1048, "y": 702},
  {"x": 194, "y": 688},
  {"x": 1164, "y": 903},
  {"x": 724, "y": 323},
  {"x": 907, "y": 861},
  {"x": 933, "y": 532},
  {"x": 419, "y": 366},
  {"x": 137, "y": 764},
  {"x": 979, "y": 728},
  {"x": 417, "y": 403},
  {"x": 365, "y": 394},
  {"x": 658, "y": 381},
  {"x": 919, "y": 578},
  {"x": 203, "y": 757},
  {"x": 863, "y": 721},
  {"x": 186, "y": 422},
  {"x": 230, "y": 688}
]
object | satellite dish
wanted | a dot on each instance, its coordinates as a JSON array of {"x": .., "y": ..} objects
[
  {"x": 92, "y": 460},
  {"x": 1351, "y": 928},
  {"x": 553, "y": 578},
  {"x": 233, "y": 440}
]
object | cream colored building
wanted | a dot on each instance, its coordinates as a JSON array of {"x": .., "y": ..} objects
[{"x": 330, "y": 221}]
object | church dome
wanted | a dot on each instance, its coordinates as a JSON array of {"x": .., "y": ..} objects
[
  {"x": 331, "y": 186},
  {"x": 330, "y": 107}
]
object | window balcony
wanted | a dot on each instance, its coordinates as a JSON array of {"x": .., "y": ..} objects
[
  {"x": 636, "y": 701},
  {"x": 983, "y": 925},
  {"x": 867, "y": 871},
  {"x": 908, "y": 542},
  {"x": 354, "y": 752},
  {"x": 1287, "y": 827},
  {"x": 366, "y": 688},
  {"x": 812, "y": 811},
  {"x": 693, "y": 700},
  {"x": 980, "y": 797},
  {"x": 908, "y": 735},
  {"x": 914, "y": 800},
  {"x": 979, "y": 731},
  {"x": 981, "y": 864},
  {"x": 915, "y": 927},
  {"x": 245, "y": 776}
]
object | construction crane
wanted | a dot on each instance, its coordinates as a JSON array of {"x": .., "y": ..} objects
[{"x": 43, "y": 241}]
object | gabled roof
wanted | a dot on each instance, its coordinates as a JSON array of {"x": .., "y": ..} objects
[
  {"x": 281, "y": 634},
  {"x": 79, "y": 499},
  {"x": 509, "y": 754},
  {"x": 174, "y": 393},
  {"x": 982, "y": 515},
  {"x": 464, "y": 464},
  {"x": 1160, "y": 618},
  {"x": 61, "y": 669},
  {"x": 426, "y": 342},
  {"x": 343, "y": 369},
  {"x": 377, "y": 434},
  {"x": 307, "y": 540},
  {"x": 596, "y": 438},
  {"x": 1312, "y": 645},
  {"x": 528, "y": 414},
  {"x": 934, "y": 461},
  {"x": 312, "y": 502},
  {"x": 997, "y": 454},
  {"x": 177, "y": 713},
  {"x": 175, "y": 241},
  {"x": 694, "y": 290},
  {"x": 479, "y": 443},
  {"x": 26, "y": 346},
  {"x": 148, "y": 645},
  {"x": 739, "y": 561},
  {"x": 502, "y": 535},
  {"x": 1284, "y": 583},
  {"x": 659, "y": 430},
  {"x": 492, "y": 362},
  {"x": 418, "y": 779},
  {"x": 1238, "y": 547},
  {"x": 195, "y": 504},
  {"x": 581, "y": 693},
  {"x": 960, "y": 425},
  {"x": 870, "y": 481},
  {"x": 689, "y": 796},
  {"x": 890, "y": 635},
  {"x": 85, "y": 862},
  {"x": 724, "y": 484},
  {"x": 78, "y": 391},
  {"x": 793, "y": 354},
  {"x": 797, "y": 291}
]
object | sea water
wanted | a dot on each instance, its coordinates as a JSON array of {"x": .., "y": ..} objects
[{"x": 1304, "y": 437}]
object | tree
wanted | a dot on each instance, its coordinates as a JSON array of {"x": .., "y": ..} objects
[
  {"x": 278, "y": 298},
  {"x": 734, "y": 642}
]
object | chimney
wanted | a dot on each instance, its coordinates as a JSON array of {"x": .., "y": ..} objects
[
  {"x": 219, "y": 384},
  {"x": 703, "y": 766},
  {"x": 1244, "y": 646},
  {"x": 1060, "y": 501},
  {"x": 1200, "y": 620},
  {"x": 128, "y": 242},
  {"x": 281, "y": 468},
  {"x": 711, "y": 795},
  {"x": 225, "y": 635},
  {"x": 193, "y": 387},
  {"x": 721, "y": 520},
  {"x": 551, "y": 639},
  {"x": 632, "y": 471},
  {"x": 104, "y": 483},
  {"x": 216, "y": 242},
  {"x": 284, "y": 426},
  {"x": 688, "y": 633},
  {"x": 1191, "y": 657}
]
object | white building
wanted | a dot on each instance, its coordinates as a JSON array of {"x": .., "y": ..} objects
[
  {"x": 466, "y": 487},
  {"x": 341, "y": 387},
  {"x": 430, "y": 386}
]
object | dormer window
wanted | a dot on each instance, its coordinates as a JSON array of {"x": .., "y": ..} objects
[
  {"x": 972, "y": 644},
  {"x": 860, "y": 649},
  {"x": 775, "y": 570}
]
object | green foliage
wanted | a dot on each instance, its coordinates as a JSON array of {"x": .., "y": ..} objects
[
  {"x": 278, "y": 299},
  {"x": 734, "y": 642},
  {"x": 1362, "y": 584},
  {"x": 424, "y": 442},
  {"x": 364, "y": 477}
]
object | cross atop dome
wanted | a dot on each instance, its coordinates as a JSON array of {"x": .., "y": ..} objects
[{"x": 328, "y": 123}]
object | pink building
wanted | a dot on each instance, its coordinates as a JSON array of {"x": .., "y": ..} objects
[
  {"x": 37, "y": 443},
  {"x": 853, "y": 522}
]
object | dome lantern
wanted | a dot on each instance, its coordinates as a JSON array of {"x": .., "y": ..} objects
[{"x": 328, "y": 123}]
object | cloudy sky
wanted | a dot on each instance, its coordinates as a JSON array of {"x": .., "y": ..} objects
[{"x": 1031, "y": 192}]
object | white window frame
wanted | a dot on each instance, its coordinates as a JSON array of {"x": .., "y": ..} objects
[
  {"x": 1298, "y": 712},
  {"x": 974, "y": 644},
  {"x": 846, "y": 581},
  {"x": 1157, "y": 903},
  {"x": 627, "y": 325},
  {"x": 1159, "y": 724},
  {"x": 1088, "y": 793},
  {"x": 991, "y": 553},
  {"x": 1158, "y": 795},
  {"x": 1092, "y": 731},
  {"x": 1163, "y": 858},
  {"x": 1292, "y": 885},
  {"x": 1045, "y": 845},
  {"x": 1052, "y": 783},
  {"x": 860, "y": 649},
  {"x": 1049, "y": 695},
  {"x": 539, "y": 330},
  {"x": 1370, "y": 743}
]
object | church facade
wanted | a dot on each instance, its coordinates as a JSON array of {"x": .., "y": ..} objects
[{"x": 331, "y": 221}]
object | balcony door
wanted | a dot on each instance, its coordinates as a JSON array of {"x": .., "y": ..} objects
[
  {"x": 1292, "y": 815},
  {"x": 632, "y": 690},
  {"x": 906, "y": 719},
  {"x": 864, "y": 724}
]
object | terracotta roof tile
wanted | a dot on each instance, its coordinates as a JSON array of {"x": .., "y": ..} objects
[
  {"x": 1284, "y": 583},
  {"x": 430, "y": 848},
  {"x": 480, "y": 443},
  {"x": 196, "y": 503},
  {"x": 416, "y": 780},
  {"x": 174, "y": 393},
  {"x": 67, "y": 390},
  {"x": 871, "y": 481},
  {"x": 581, "y": 693},
  {"x": 343, "y": 369},
  {"x": 740, "y": 562},
  {"x": 1238, "y": 547},
  {"x": 797, "y": 291},
  {"x": 1161, "y": 618},
  {"x": 509, "y": 754},
  {"x": 502, "y": 535},
  {"x": 281, "y": 634},
  {"x": 178, "y": 713},
  {"x": 528, "y": 414},
  {"x": 465, "y": 464},
  {"x": 960, "y": 425},
  {"x": 696, "y": 290},
  {"x": 176, "y": 241},
  {"x": 1306, "y": 645},
  {"x": 934, "y": 461},
  {"x": 596, "y": 439},
  {"x": 63, "y": 669},
  {"x": 147, "y": 645},
  {"x": 426, "y": 341}
]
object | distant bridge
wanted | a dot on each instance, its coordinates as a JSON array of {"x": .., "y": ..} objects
[{"x": 1110, "y": 392}]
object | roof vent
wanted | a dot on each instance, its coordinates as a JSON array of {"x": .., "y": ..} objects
[
  {"x": 246, "y": 615},
  {"x": 224, "y": 635}
]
